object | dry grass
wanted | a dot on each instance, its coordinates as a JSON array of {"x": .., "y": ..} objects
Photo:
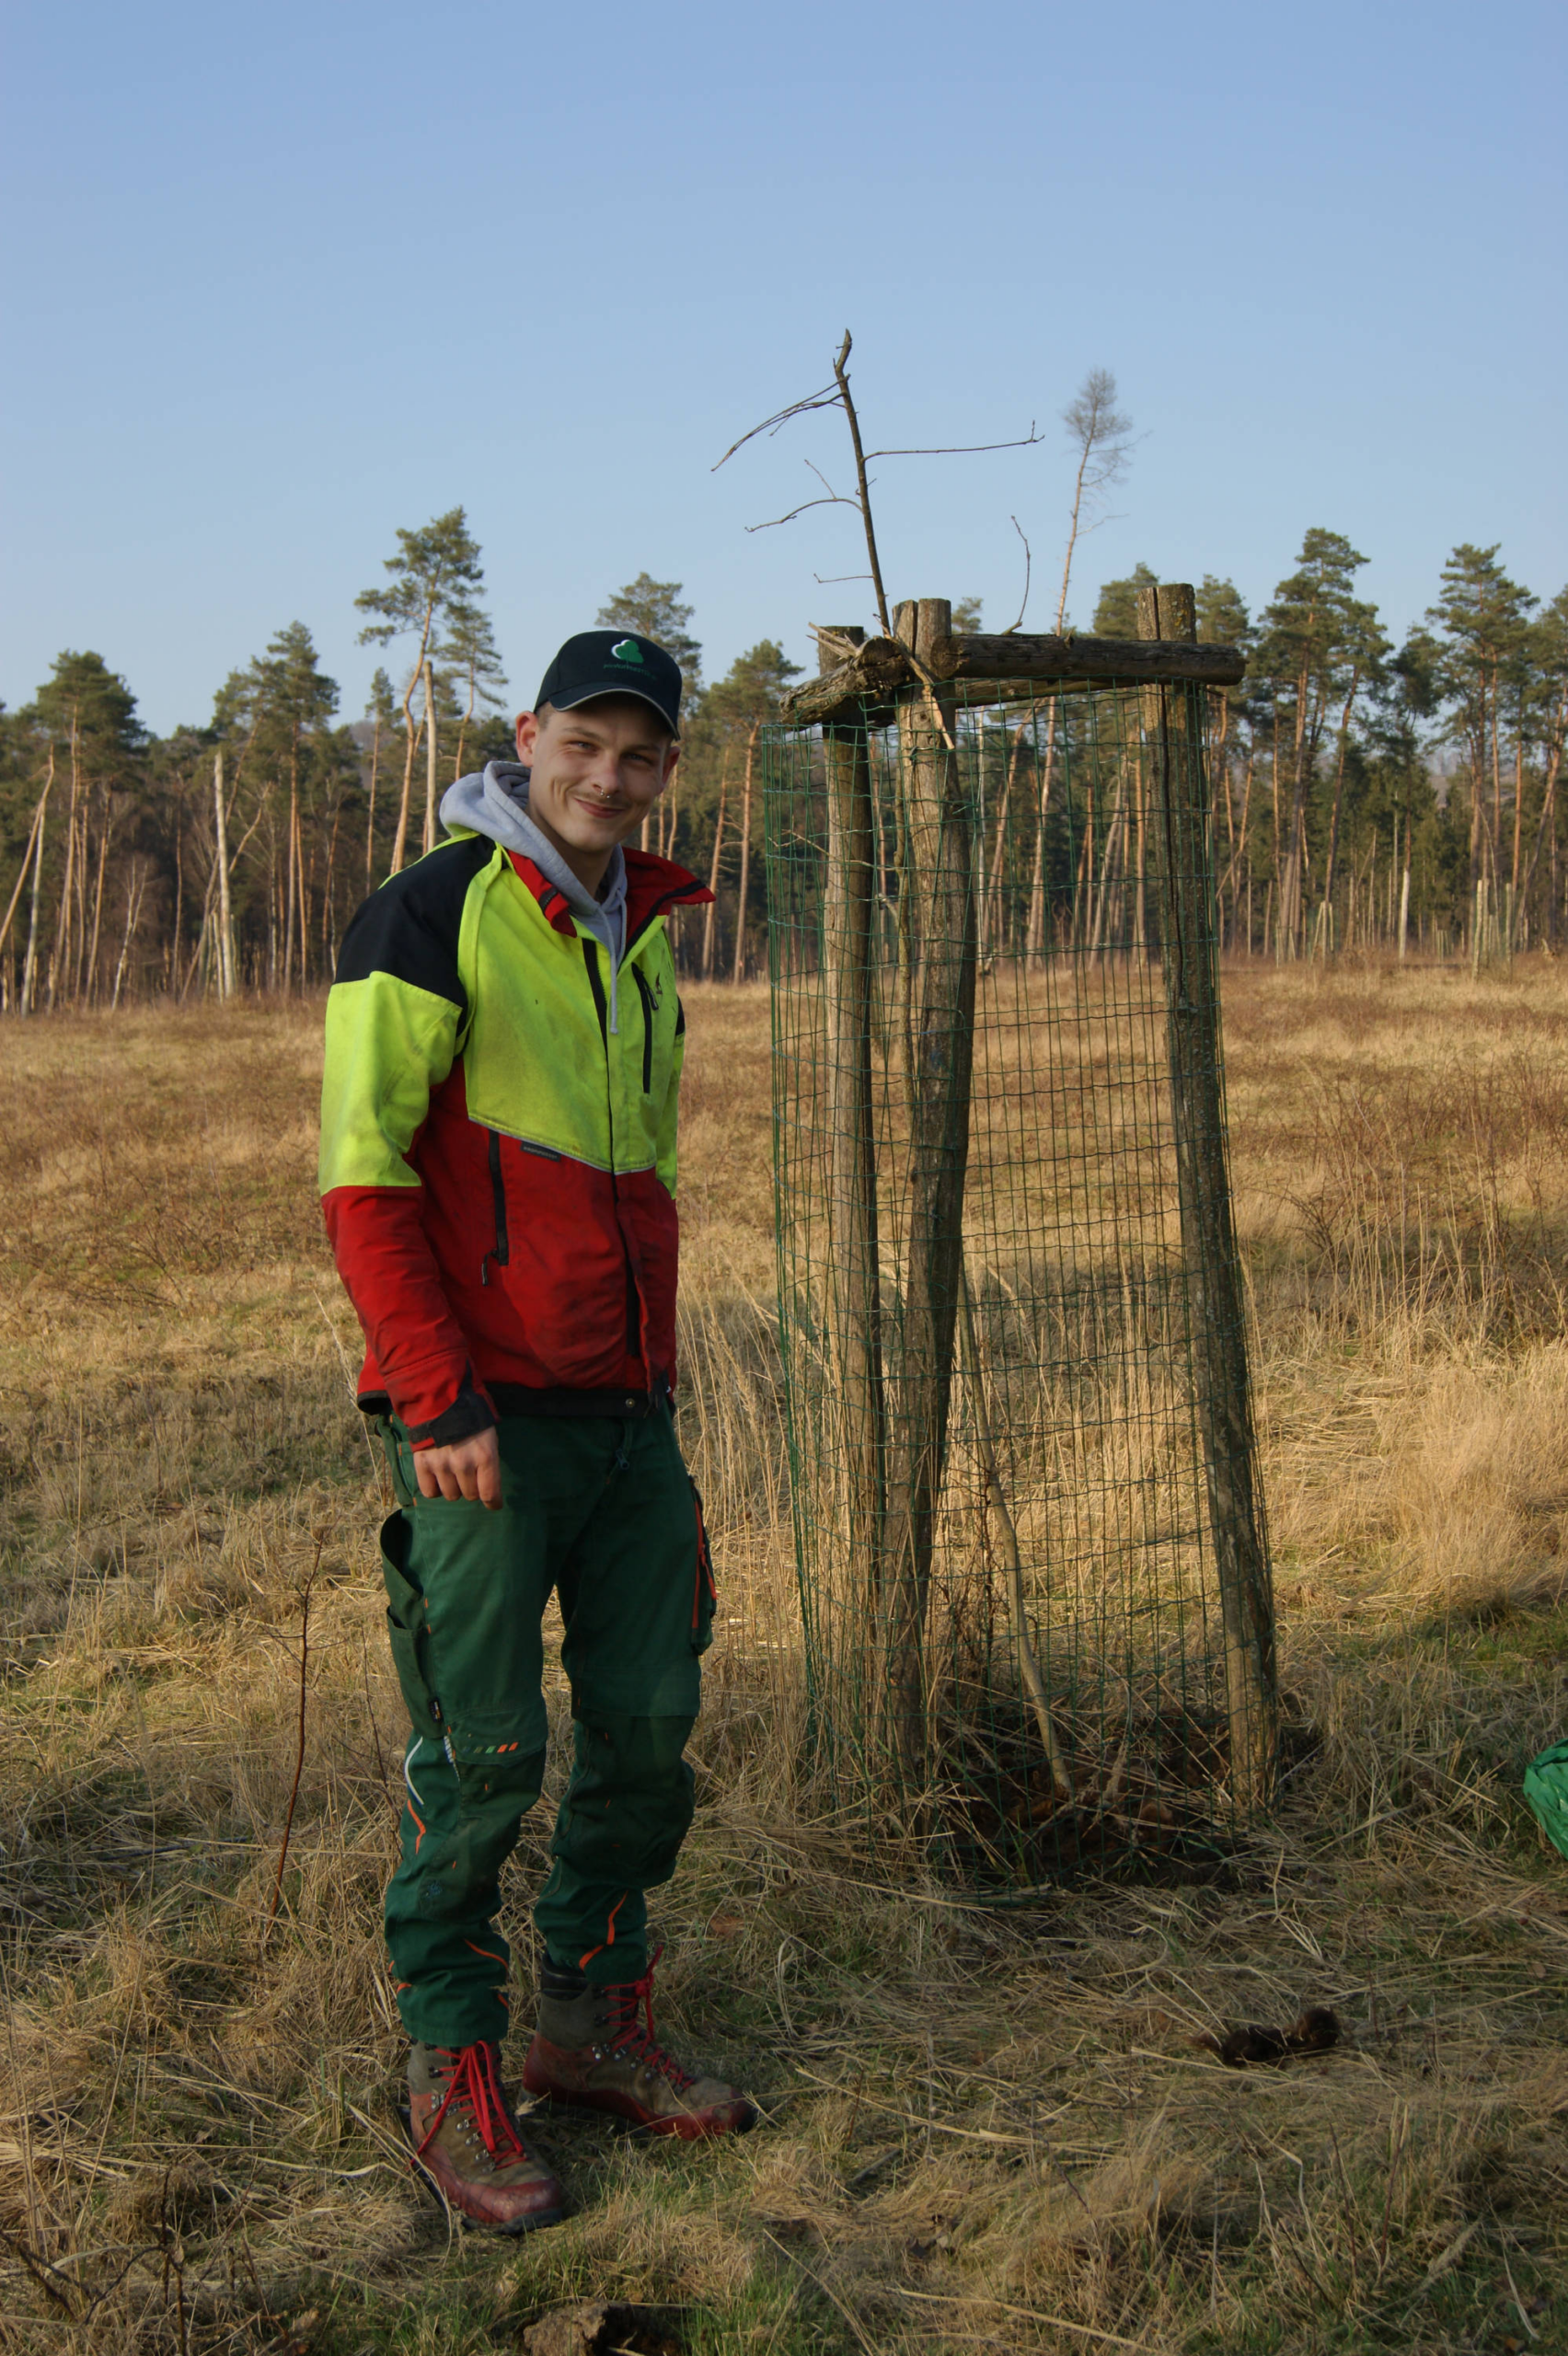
[{"x": 985, "y": 2129}]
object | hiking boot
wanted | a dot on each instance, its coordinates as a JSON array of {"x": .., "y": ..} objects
[
  {"x": 466, "y": 2140},
  {"x": 595, "y": 2047}
]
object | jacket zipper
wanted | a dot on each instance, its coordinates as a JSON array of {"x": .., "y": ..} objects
[
  {"x": 633, "y": 1305},
  {"x": 646, "y": 995},
  {"x": 500, "y": 1251}
]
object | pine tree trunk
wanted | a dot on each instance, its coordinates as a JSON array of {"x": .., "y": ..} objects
[
  {"x": 104, "y": 841},
  {"x": 739, "y": 967},
  {"x": 400, "y": 839},
  {"x": 370, "y": 816},
  {"x": 288, "y": 881},
  {"x": 710, "y": 913},
  {"x": 225, "y": 910},
  {"x": 30, "y": 969},
  {"x": 431, "y": 795}
]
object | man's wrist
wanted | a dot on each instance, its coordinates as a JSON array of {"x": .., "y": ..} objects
[{"x": 469, "y": 1413}]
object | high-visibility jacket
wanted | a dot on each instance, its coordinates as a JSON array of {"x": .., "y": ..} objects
[{"x": 498, "y": 1166}]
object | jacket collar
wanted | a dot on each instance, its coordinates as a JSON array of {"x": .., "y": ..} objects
[{"x": 652, "y": 884}]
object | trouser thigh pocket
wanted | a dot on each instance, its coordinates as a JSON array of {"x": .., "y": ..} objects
[
  {"x": 705, "y": 1595},
  {"x": 406, "y": 1624}
]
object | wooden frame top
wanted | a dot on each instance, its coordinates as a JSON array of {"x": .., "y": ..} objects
[
  {"x": 876, "y": 671},
  {"x": 861, "y": 687}
]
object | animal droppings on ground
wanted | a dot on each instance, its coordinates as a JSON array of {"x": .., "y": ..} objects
[
  {"x": 1316, "y": 2031},
  {"x": 598, "y": 2327}
]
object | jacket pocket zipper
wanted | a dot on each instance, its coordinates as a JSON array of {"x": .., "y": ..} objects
[
  {"x": 500, "y": 1251},
  {"x": 646, "y": 995}
]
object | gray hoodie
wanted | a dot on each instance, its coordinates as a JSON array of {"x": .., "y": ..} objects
[{"x": 496, "y": 805}]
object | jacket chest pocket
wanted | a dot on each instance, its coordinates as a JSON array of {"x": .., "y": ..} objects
[{"x": 654, "y": 1039}]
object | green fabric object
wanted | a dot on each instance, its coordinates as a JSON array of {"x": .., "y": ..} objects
[
  {"x": 1546, "y": 1789},
  {"x": 604, "y": 1512}
]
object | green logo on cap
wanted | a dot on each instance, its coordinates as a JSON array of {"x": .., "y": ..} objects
[{"x": 627, "y": 649}]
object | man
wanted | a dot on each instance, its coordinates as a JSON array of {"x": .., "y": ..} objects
[{"x": 498, "y": 1166}]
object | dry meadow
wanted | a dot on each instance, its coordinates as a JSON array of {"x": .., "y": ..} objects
[{"x": 983, "y": 2127}]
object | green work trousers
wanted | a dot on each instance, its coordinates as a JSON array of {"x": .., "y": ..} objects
[{"x": 602, "y": 1511}]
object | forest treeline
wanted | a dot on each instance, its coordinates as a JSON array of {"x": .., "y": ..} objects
[{"x": 1366, "y": 794}]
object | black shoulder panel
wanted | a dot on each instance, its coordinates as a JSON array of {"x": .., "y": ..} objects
[{"x": 409, "y": 928}]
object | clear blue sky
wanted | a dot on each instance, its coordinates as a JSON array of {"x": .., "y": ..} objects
[{"x": 276, "y": 281}]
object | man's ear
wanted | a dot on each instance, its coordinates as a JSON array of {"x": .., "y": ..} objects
[
  {"x": 671, "y": 757},
  {"x": 528, "y": 735}
]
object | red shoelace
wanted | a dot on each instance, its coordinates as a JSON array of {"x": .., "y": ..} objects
[
  {"x": 635, "y": 2038},
  {"x": 474, "y": 2086}
]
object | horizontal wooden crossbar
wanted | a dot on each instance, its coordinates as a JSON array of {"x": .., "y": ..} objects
[{"x": 1012, "y": 664}]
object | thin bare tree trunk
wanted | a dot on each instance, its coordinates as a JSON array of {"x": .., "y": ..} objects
[
  {"x": 400, "y": 839},
  {"x": 26, "y": 858},
  {"x": 30, "y": 969},
  {"x": 134, "y": 891},
  {"x": 739, "y": 967},
  {"x": 370, "y": 815},
  {"x": 710, "y": 913},
  {"x": 290, "y": 892},
  {"x": 1339, "y": 787},
  {"x": 104, "y": 841},
  {"x": 430, "y": 731},
  {"x": 225, "y": 910},
  {"x": 60, "y": 952}
]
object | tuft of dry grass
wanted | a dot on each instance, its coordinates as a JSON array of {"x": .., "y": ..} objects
[{"x": 984, "y": 2128}]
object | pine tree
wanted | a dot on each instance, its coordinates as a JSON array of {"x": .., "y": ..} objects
[
  {"x": 1305, "y": 653},
  {"x": 653, "y": 609},
  {"x": 435, "y": 576}
]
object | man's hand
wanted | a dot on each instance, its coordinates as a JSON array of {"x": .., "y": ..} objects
[{"x": 469, "y": 1468}]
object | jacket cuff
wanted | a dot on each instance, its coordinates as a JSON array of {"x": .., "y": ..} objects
[{"x": 469, "y": 1413}]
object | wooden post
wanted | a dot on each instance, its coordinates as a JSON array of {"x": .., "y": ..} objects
[
  {"x": 1174, "y": 718},
  {"x": 849, "y": 948},
  {"x": 938, "y": 908}
]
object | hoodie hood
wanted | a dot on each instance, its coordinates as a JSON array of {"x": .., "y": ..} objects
[{"x": 495, "y": 803}]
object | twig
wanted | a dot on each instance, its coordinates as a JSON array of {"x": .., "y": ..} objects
[
  {"x": 837, "y": 396},
  {"x": 841, "y": 377},
  {"x": 1029, "y": 1666},
  {"x": 1028, "y": 570},
  {"x": 299, "y": 1756},
  {"x": 40, "y": 2270}
]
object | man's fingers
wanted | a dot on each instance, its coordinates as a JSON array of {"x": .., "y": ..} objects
[{"x": 471, "y": 1468}]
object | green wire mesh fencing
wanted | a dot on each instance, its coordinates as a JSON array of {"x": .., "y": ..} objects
[{"x": 1028, "y": 1522}]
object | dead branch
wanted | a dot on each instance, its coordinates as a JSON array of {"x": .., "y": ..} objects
[
  {"x": 841, "y": 376},
  {"x": 1028, "y": 570}
]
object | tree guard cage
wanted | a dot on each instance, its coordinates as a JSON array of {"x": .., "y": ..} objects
[{"x": 1028, "y": 1521}]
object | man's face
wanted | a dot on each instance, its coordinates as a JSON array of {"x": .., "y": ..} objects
[{"x": 597, "y": 771}]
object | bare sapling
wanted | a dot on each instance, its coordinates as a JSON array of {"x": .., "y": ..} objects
[{"x": 1102, "y": 436}]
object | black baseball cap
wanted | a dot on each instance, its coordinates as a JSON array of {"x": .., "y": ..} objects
[{"x": 614, "y": 662}]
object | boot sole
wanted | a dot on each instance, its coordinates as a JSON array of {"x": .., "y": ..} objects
[
  {"x": 511, "y": 2229},
  {"x": 687, "y": 2131}
]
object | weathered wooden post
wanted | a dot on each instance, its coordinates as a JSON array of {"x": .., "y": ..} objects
[
  {"x": 938, "y": 913},
  {"x": 855, "y": 1286},
  {"x": 1218, "y": 1338}
]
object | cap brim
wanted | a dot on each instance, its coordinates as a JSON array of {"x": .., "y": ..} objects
[{"x": 620, "y": 685}]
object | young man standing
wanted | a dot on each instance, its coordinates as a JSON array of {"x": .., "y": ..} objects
[{"x": 498, "y": 1166}]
